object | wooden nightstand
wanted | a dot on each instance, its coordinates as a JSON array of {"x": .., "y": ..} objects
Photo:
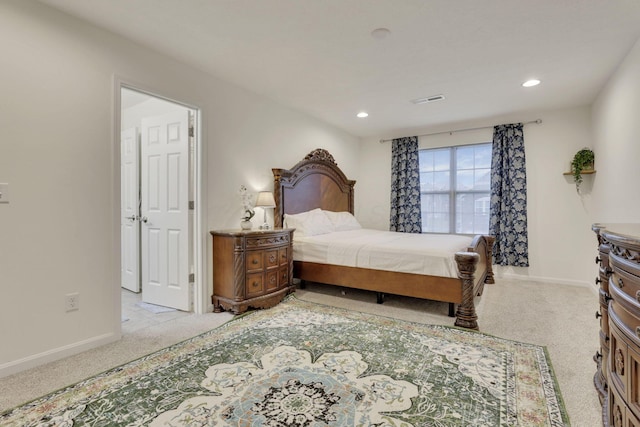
[{"x": 251, "y": 268}]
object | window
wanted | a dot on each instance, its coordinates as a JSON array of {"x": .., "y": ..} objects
[{"x": 455, "y": 189}]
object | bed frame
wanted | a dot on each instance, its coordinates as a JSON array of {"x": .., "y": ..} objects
[{"x": 317, "y": 182}]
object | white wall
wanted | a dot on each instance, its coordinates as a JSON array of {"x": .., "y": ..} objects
[
  {"x": 616, "y": 130},
  {"x": 60, "y": 233},
  {"x": 560, "y": 238}
]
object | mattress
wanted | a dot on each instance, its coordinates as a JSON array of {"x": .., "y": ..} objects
[{"x": 429, "y": 254}]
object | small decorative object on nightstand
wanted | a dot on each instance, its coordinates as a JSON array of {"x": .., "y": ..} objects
[
  {"x": 246, "y": 197},
  {"x": 251, "y": 268},
  {"x": 265, "y": 201}
]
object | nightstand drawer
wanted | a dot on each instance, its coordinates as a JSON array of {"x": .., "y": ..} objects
[
  {"x": 255, "y": 285},
  {"x": 271, "y": 280},
  {"x": 254, "y": 261},
  {"x": 271, "y": 258},
  {"x": 283, "y": 275},
  {"x": 283, "y": 254},
  {"x": 265, "y": 241}
]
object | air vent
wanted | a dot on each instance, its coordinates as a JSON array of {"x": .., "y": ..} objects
[{"x": 426, "y": 100}]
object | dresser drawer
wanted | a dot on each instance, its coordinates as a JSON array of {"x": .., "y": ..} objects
[
  {"x": 604, "y": 312},
  {"x": 618, "y": 361},
  {"x": 633, "y": 391},
  {"x": 617, "y": 409},
  {"x": 604, "y": 278},
  {"x": 626, "y": 282},
  {"x": 624, "y": 316},
  {"x": 619, "y": 413}
]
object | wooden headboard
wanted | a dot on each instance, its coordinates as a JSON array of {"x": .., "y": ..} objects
[{"x": 314, "y": 182}]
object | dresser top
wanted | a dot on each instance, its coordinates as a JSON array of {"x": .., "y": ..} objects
[{"x": 629, "y": 231}]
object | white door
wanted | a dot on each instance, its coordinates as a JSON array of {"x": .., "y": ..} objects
[
  {"x": 165, "y": 210},
  {"x": 130, "y": 209}
]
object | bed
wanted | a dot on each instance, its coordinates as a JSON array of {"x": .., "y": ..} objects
[{"x": 316, "y": 183}]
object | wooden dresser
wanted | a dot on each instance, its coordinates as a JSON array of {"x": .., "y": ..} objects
[
  {"x": 251, "y": 268},
  {"x": 617, "y": 377}
]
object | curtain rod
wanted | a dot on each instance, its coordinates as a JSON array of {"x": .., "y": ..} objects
[{"x": 538, "y": 121}]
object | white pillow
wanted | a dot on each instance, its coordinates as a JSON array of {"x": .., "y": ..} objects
[
  {"x": 309, "y": 223},
  {"x": 343, "y": 221}
]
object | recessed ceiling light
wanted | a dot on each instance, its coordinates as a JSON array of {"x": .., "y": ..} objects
[
  {"x": 362, "y": 114},
  {"x": 531, "y": 83}
]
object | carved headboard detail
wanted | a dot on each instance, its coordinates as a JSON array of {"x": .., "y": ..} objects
[{"x": 314, "y": 182}]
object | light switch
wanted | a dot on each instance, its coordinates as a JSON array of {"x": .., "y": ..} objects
[{"x": 4, "y": 192}]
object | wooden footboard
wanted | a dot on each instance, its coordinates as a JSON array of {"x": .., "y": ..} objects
[{"x": 474, "y": 267}]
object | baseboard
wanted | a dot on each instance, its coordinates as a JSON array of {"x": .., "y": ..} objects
[
  {"x": 568, "y": 282},
  {"x": 52, "y": 355}
]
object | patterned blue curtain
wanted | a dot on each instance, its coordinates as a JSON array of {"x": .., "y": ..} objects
[
  {"x": 405, "y": 186},
  {"x": 508, "y": 211}
]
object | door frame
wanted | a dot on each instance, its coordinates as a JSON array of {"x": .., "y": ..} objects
[{"x": 201, "y": 302}]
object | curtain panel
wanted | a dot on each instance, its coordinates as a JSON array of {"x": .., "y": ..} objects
[
  {"x": 508, "y": 208},
  {"x": 405, "y": 186}
]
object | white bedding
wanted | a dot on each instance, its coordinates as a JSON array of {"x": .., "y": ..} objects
[{"x": 430, "y": 254}]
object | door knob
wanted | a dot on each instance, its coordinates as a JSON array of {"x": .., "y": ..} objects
[
  {"x": 131, "y": 218},
  {"x": 144, "y": 219}
]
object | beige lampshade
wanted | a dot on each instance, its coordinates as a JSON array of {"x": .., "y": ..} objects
[{"x": 265, "y": 200}]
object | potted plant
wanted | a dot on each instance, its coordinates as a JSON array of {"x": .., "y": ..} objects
[{"x": 582, "y": 161}]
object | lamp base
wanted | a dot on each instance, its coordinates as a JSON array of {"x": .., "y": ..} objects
[{"x": 265, "y": 224}]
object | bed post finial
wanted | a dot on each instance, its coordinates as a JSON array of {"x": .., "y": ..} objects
[{"x": 321, "y": 154}]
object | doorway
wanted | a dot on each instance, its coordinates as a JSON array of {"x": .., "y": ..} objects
[{"x": 158, "y": 182}]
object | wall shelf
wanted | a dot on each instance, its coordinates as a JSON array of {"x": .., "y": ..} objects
[{"x": 589, "y": 172}]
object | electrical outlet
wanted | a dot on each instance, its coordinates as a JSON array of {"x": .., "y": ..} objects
[{"x": 72, "y": 302}]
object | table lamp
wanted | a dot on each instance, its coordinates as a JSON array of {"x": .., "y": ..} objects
[{"x": 265, "y": 201}]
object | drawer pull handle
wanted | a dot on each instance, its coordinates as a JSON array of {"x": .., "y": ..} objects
[
  {"x": 598, "y": 260},
  {"x": 598, "y": 315},
  {"x": 607, "y": 298},
  {"x": 620, "y": 283},
  {"x": 638, "y": 331},
  {"x": 255, "y": 261},
  {"x": 254, "y": 284},
  {"x": 598, "y": 281},
  {"x": 598, "y": 355}
]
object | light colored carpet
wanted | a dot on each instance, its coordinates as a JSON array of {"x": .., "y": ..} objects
[
  {"x": 155, "y": 309},
  {"x": 556, "y": 316}
]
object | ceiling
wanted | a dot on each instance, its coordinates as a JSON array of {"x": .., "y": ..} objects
[{"x": 321, "y": 57}]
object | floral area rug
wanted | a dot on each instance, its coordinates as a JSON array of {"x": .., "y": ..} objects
[{"x": 305, "y": 364}]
